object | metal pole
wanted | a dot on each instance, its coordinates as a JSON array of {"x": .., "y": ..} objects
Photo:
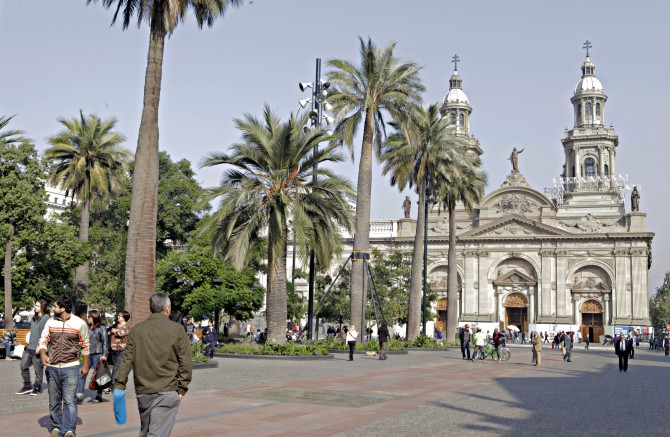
[
  {"x": 312, "y": 258},
  {"x": 425, "y": 255}
]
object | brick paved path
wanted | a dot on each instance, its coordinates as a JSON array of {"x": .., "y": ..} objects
[{"x": 429, "y": 393}]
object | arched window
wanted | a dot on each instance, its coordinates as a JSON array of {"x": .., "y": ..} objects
[
  {"x": 589, "y": 167},
  {"x": 607, "y": 170},
  {"x": 453, "y": 118},
  {"x": 461, "y": 120},
  {"x": 598, "y": 109},
  {"x": 589, "y": 109},
  {"x": 579, "y": 111}
]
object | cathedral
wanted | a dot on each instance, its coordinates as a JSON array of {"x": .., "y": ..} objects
[{"x": 569, "y": 258}]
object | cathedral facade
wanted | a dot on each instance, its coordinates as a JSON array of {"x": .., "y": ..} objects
[{"x": 568, "y": 258}]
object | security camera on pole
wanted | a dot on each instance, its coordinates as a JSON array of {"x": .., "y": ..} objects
[{"x": 318, "y": 104}]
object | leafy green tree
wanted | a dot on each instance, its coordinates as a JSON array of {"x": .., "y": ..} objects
[
  {"x": 269, "y": 181},
  {"x": 22, "y": 196},
  {"x": 162, "y": 16},
  {"x": 178, "y": 194},
  {"x": 86, "y": 160},
  {"x": 415, "y": 154},
  {"x": 659, "y": 305},
  {"x": 382, "y": 82},
  {"x": 44, "y": 266},
  {"x": 467, "y": 182},
  {"x": 334, "y": 306},
  {"x": 199, "y": 283},
  {"x": 295, "y": 303}
]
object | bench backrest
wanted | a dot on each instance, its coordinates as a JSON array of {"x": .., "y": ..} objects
[{"x": 20, "y": 335}]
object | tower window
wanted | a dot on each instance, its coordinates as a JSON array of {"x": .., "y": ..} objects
[
  {"x": 607, "y": 170},
  {"x": 461, "y": 119},
  {"x": 589, "y": 109},
  {"x": 598, "y": 109},
  {"x": 590, "y": 167},
  {"x": 579, "y": 111}
]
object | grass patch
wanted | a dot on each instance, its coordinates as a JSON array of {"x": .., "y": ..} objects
[{"x": 271, "y": 348}]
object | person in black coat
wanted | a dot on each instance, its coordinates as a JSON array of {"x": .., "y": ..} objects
[
  {"x": 384, "y": 336},
  {"x": 622, "y": 349}
]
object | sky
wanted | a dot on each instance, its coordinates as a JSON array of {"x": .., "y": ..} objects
[{"x": 520, "y": 62}]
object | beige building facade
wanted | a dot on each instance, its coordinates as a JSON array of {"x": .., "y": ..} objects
[{"x": 567, "y": 258}]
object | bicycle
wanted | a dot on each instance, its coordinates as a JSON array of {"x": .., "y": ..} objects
[{"x": 490, "y": 351}]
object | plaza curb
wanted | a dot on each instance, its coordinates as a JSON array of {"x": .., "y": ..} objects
[{"x": 276, "y": 357}]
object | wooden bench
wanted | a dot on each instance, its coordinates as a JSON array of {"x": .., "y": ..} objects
[{"x": 21, "y": 335}]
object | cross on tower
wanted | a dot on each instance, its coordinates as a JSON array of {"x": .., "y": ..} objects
[
  {"x": 455, "y": 60},
  {"x": 587, "y": 45}
]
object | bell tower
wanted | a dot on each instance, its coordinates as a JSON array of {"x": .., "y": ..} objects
[
  {"x": 590, "y": 146},
  {"x": 456, "y": 108}
]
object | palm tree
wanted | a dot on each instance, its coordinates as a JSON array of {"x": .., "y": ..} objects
[
  {"x": 87, "y": 161},
  {"x": 8, "y": 138},
  {"x": 466, "y": 189},
  {"x": 162, "y": 16},
  {"x": 269, "y": 182},
  {"x": 417, "y": 153},
  {"x": 382, "y": 82}
]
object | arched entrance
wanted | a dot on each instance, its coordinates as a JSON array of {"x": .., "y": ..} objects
[
  {"x": 516, "y": 311},
  {"x": 441, "y": 321},
  {"x": 592, "y": 320}
]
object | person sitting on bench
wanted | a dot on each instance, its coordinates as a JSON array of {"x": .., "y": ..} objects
[{"x": 9, "y": 341}]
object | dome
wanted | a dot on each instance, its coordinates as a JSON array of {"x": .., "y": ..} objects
[
  {"x": 589, "y": 83},
  {"x": 455, "y": 95}
]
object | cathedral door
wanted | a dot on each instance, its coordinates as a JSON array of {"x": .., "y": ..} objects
[
  {"x": 592, "y": 320},
  {"x": 516, "y": 311},
  {"x": 441, "y": 321}
]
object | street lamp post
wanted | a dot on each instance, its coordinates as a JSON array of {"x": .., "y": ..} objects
[{"x": 317, "y": 101}]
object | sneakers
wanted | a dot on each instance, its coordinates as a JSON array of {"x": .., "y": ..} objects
[
  {"x": 54, "y": 433},
  {"x": 69, "y": 434},
  {"x": 36, "y": 391},
  {"x": 25, "y": 390},
  {"x": 80, "y": 398},
  {"x": 98, "y": 399}
]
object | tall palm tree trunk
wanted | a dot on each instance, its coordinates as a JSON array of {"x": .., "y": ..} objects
[
  {"x": 415, "y": 284},
  {"x": 276, "y": 301},
  {"x": 81, "y": 272},
  {"x": 362, "y": 237},
  {"x": 141, "y": 249},
  {"x": 7, "y": 272},
  {"x": 452, "y": 279}
]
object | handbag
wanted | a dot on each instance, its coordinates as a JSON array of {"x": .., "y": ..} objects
[{"x": 101, "y": 378}]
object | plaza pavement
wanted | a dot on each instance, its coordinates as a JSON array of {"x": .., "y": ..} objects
[{"x": 419, "y": 394}]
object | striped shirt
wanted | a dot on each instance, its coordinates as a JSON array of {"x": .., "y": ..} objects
[{"x": 64, "y": 341}]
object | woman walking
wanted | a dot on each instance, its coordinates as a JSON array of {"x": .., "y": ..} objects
[
  {"x": 97, "y": 352},
  {"x": 351, "y": 341},
  {"x": 384, "y": 336},
  {"x": 119, "y": 340}
]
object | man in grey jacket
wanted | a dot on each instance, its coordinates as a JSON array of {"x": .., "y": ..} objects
[
  {"x": 29, "y": 357},
  {"x": 567, "y": 342}
]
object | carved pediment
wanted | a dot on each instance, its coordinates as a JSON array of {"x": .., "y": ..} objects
[
  {"x": 590, "y": 284},
  {"x": 591, "y": 223},
  {"x": 515, "y": 203},
  {"x": 513, "y": 226},
  {"x": 514, "y": 277}
]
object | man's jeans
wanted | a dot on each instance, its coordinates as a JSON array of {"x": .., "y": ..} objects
[
  {"x": 29, "y": 358},
  {"x": 465, "y": 346},
  {"x": 62, "y": 383},
  {"x": 8, "y": 347}
]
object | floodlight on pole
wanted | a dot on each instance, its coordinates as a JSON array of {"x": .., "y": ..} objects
[
  {"x": 327, "y": 106},
  {"x": 329, "y": 119},
  {"x": 304, "y": 85},
  {"x": 305, "y": 102}
]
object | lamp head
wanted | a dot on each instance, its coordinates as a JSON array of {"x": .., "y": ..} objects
[
  {"x": 304, "y": 85},
  {"x": 305, "y": 102},
  {"x": 313, "y": 115}
]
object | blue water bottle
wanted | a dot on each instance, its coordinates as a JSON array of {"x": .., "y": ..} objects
[{"x": 120, "y": 406}]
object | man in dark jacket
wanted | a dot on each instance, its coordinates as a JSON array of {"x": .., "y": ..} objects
[
  {"x": 162, "y": 369},
  {"x": 567, "y": 341},
  {"x": 384, "y": 336},
  {"x": 622, "y": 349},
  {"x": 465, "y": 340}
]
